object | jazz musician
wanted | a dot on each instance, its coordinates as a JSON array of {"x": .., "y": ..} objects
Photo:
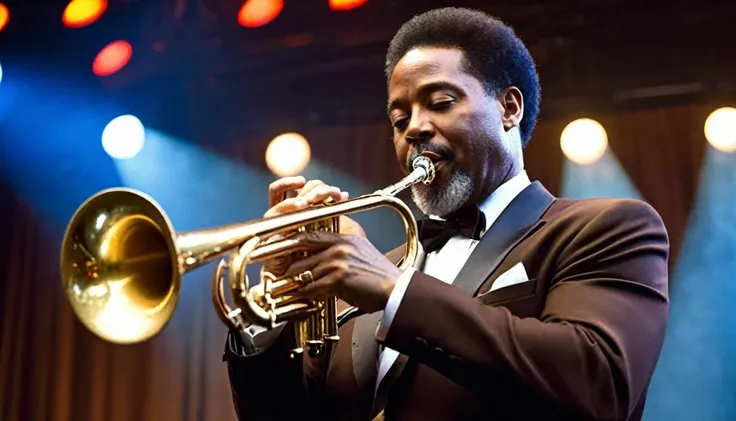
[{"x": 525, "y": 306}]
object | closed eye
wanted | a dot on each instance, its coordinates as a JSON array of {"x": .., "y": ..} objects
[
  {"x": 400, "y": 123},
  {"x": 443, "y": 105}
]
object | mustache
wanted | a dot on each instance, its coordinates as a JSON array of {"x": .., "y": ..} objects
[{"x": 441, "y": 150}]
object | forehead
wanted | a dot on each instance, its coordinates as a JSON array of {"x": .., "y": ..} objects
[{"x": 423, "y": 64}]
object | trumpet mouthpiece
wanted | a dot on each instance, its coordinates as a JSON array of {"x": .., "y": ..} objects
[{"x": 424, "y": 163}]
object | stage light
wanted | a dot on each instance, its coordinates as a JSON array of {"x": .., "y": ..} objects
[
  {"x": 343, "y": 5},
  {"x": 112, "y": 58},
  {"x": 288, "y": 154},
  {"x": 4, "y": 16},
  {"x": 1, "y": 73},
  {"x": 720, "y": 129},
  {"x": 584, "y": 141},
  {"x": 255, "y": 13},
  {"x": 80, "y": 13},
  {"x": 123, "y": 137}
]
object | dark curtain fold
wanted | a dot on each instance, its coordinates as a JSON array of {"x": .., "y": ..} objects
[
  {"x": 662, "y": 152},
  {"x": 52, "y": 368}
]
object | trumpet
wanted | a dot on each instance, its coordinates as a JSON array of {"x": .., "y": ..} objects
[{"x": 122, "y": 264}]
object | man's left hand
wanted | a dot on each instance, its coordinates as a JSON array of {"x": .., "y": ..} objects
[{"x": 348, "y": 267}]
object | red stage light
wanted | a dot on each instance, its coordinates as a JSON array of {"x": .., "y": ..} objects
[
  {"x": 79, "y": 13},
  {"x": 4, "y": 16},
  {"x": 112, "y": 58},
  {"x": 255, "y": 13},
  {"x": 343, "y": 5}
]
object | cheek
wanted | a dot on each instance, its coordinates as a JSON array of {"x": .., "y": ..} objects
[
  {"x": 465, "y": 135},
  {"x": 483, "y": 143},
  {"x": 402, "y": 150}
]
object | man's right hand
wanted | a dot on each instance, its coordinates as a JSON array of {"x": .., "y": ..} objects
[{"x": 291, "y": 194}]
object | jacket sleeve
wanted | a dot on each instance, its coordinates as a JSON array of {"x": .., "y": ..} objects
[
  {"x": 268, "y": 384},
  {"x": 594, "y": 347}
]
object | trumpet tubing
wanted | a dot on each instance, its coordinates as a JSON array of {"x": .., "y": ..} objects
[{"x": 122, "y": 264}]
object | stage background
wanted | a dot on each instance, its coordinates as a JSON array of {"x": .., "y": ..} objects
[{"x": 651, "y": 86}]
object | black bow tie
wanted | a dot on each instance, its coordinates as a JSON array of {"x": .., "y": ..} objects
[{"x": 468, "y": 221}]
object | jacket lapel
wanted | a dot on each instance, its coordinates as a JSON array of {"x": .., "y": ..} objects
[
  {"x": 365, "y": 348},
  {"x": 519, "y": 220}
]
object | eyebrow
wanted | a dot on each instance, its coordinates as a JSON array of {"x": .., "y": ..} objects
[{"x": 423, "y": 90}]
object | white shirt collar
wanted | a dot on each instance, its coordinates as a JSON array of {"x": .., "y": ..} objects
[{"x": 495, "y": 204}]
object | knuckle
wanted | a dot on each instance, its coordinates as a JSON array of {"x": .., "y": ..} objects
[
  {"x": 342, "y": 250},
  {"x": 311, "y": 184},
  {"x": 320, "y": 190},
  {"x": 340, "y": 268}
]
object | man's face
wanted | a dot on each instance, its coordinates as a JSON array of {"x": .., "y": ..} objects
[{"x": 438, "y": 109}]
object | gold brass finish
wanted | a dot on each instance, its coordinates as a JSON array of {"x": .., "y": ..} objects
[{"x": 122, "y": 263}]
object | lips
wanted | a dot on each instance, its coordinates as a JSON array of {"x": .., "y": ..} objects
[
  {"x": 432, "y": 156},
  {"x": 438, "y": 160}
]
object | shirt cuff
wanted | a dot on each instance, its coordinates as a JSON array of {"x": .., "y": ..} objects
[{"x": 392, "y": 306}]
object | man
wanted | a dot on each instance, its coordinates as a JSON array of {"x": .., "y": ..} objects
[{"x": 526, "y": 308}]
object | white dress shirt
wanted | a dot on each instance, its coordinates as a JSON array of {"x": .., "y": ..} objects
[{"x": 445, "y": 263}]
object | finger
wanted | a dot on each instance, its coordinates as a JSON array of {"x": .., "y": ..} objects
[
  {"x": 288, "y": 205},
  {"x": 314, "y": 263},
  {"x": 325, "y": 276},
  {"x": 322, "y": 193},
  {"x": 309, "y": 186},
  {"x": 279, "y": 188},
  {"x": 323, "y": 286},
  {"x": 321, "y": 240},
  {"x": 317, "y": 196}
]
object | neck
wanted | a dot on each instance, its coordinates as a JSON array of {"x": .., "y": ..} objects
[{"x": 483, "y": 194}]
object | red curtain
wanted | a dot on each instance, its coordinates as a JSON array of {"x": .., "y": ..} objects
[{"x": 52, "y": 368}]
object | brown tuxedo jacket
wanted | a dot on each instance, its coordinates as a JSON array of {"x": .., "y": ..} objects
[{"x": 579, "y": 340}]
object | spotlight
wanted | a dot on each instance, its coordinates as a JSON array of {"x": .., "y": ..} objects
[
  {"x": 1, "y": 73},
  {"x": 123, "y": 137},
  {"x": 79, "y": 13},
  {"x": 288, "y": 154},
  {"x": 255, "y": 13},
  {"x": 4, "y": 16},
  {"x": 584, "y": 141},
  {"x": 112, "y": 58},
  {"x": 720, "y": 129},
  {"x": 343, "y": 5}
]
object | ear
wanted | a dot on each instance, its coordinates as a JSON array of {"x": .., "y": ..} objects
[{"x": 512, "y": 102}]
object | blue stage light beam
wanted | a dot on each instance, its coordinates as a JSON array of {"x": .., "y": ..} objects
[
  {"x": 50, "y": 152},
  {"x": 604, "y": 178},
  {"x": 696, "y": 375}
]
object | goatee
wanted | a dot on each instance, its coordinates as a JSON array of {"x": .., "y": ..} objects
[{"x": 442, "y": 200}]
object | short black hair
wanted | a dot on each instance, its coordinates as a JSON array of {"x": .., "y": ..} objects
[{"x": 493, "y": 53}]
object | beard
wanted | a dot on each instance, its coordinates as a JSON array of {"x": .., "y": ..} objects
[{"x": 443, "y": 200}]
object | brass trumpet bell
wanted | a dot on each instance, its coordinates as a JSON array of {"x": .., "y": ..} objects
[{"x": 116, "y": 266}]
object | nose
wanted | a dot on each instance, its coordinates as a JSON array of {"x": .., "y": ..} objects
[{"x": 420, "y": 128}]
